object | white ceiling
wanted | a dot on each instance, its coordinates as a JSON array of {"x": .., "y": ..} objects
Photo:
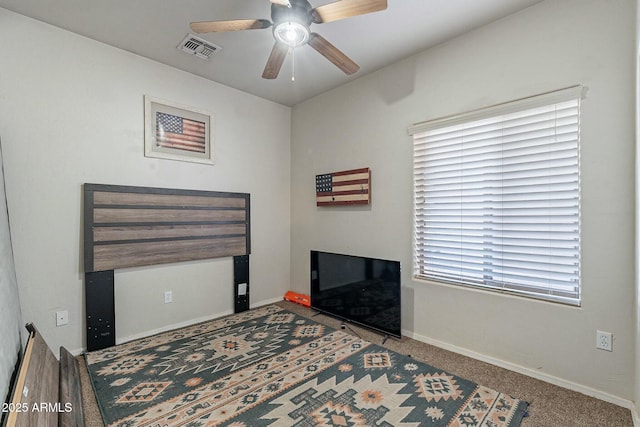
[{"x": 153, "y": 29}]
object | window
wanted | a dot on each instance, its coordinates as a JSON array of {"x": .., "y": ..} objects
[{"x": 497, "y": 197}]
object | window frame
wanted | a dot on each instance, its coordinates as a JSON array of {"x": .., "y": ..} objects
[{"x": 417, "y": 131}]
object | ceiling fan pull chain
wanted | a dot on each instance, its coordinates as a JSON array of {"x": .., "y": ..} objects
[{"x": 293, "y": 64}]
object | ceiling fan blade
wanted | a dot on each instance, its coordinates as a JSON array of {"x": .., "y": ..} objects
[
  {"x": 342, "y": 9},
  {"x": 333, "y": 54},
  {"x": 274, "y": 63},
  {"x": 282, "y": 2},
  {"x": 236, "y": 25}
]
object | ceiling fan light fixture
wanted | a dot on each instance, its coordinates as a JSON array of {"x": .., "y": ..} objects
[{"x": 291, "y": 33}]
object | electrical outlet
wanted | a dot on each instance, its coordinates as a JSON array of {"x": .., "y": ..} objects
[
  {"x": 62, "y": 318},
  {"x": 604, "y": 340},
  {"x": 168, "y": 297}
]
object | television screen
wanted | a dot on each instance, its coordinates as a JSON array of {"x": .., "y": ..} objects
[{"x": 365, "y": 291}]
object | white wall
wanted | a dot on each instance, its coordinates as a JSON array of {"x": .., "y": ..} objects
[
  {"x": 71, "y": 111},
  {"x": 551, "y": 45},
  {"x": 10, "y": 318}
]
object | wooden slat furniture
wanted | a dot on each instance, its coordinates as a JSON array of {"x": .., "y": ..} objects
[
  {"x": 137, "y": 226},
  {"x": 46, "y": 392},
  {"x": 128, "y": 226}
]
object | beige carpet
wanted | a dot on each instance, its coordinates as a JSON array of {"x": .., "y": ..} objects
[{"x": 550, "y": 405}]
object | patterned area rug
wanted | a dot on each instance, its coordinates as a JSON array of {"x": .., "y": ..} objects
[{"x": 271, "y": 367}]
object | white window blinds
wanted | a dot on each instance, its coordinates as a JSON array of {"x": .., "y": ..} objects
[{"x": 497, "y": 198}]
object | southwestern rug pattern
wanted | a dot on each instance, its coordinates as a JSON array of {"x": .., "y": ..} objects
[{"x": 271, "y": 367}]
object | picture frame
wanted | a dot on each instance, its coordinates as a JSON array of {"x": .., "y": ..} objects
[{"x": 177, "y": 132}]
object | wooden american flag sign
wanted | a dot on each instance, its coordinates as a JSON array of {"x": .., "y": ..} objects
[{"x": 351, "y": 187}]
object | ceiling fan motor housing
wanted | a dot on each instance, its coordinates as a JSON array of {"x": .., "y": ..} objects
[
  {"x": 291, "y": 24},
  {"x": 299, "y": 12}
]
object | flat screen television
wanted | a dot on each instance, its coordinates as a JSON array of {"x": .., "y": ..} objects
[{"x": 364, "y": 291}]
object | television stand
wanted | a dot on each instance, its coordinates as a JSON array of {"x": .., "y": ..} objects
[{"x": 344, "y": 325}]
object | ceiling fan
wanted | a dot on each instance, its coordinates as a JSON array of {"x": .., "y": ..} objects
[{"x": 291, "y": 20}]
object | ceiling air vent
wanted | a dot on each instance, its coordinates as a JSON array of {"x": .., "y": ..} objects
[{"x": 198, "y": 47}]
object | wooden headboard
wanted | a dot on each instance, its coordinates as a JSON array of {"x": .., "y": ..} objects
[
  {"x": 46, "y": 392},
  {"x": 136, "y": 226}
]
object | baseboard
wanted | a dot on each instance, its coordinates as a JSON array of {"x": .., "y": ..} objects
[
  {"x": 190, "y": 322},
  {"x": 172, "y": 327},
  {"x": 266, "y": 302},
  {"x": 166, "y": 328},
  {"x": 635, "y": 416},
  {"x": 598, "y": 394}
]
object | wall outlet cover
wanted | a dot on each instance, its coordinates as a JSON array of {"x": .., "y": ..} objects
[
  {"x": 604, "y": 340},
  {"x": 62, "y": 318}
]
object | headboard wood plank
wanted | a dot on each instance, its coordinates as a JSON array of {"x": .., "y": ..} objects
[
  {"x": 107, "y": 216},
  {"x": 135, "y": 226},
  {"x": 37, "y": 384},
  {"x": 106, "y": 234},
  {"x": 70, "y": 391},
  {"x": 111, "y": 257},
  {"x": 153, "y": 199}
]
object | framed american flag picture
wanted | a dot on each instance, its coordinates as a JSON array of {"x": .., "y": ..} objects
[
  {"x": 350, "y": 187},
  {"x": 177, "y": 132}
]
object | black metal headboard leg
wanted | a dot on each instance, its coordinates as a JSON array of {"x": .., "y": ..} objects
[
  {"x": 100, "y": 309},
  {"x": 241, "y": 283}
]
